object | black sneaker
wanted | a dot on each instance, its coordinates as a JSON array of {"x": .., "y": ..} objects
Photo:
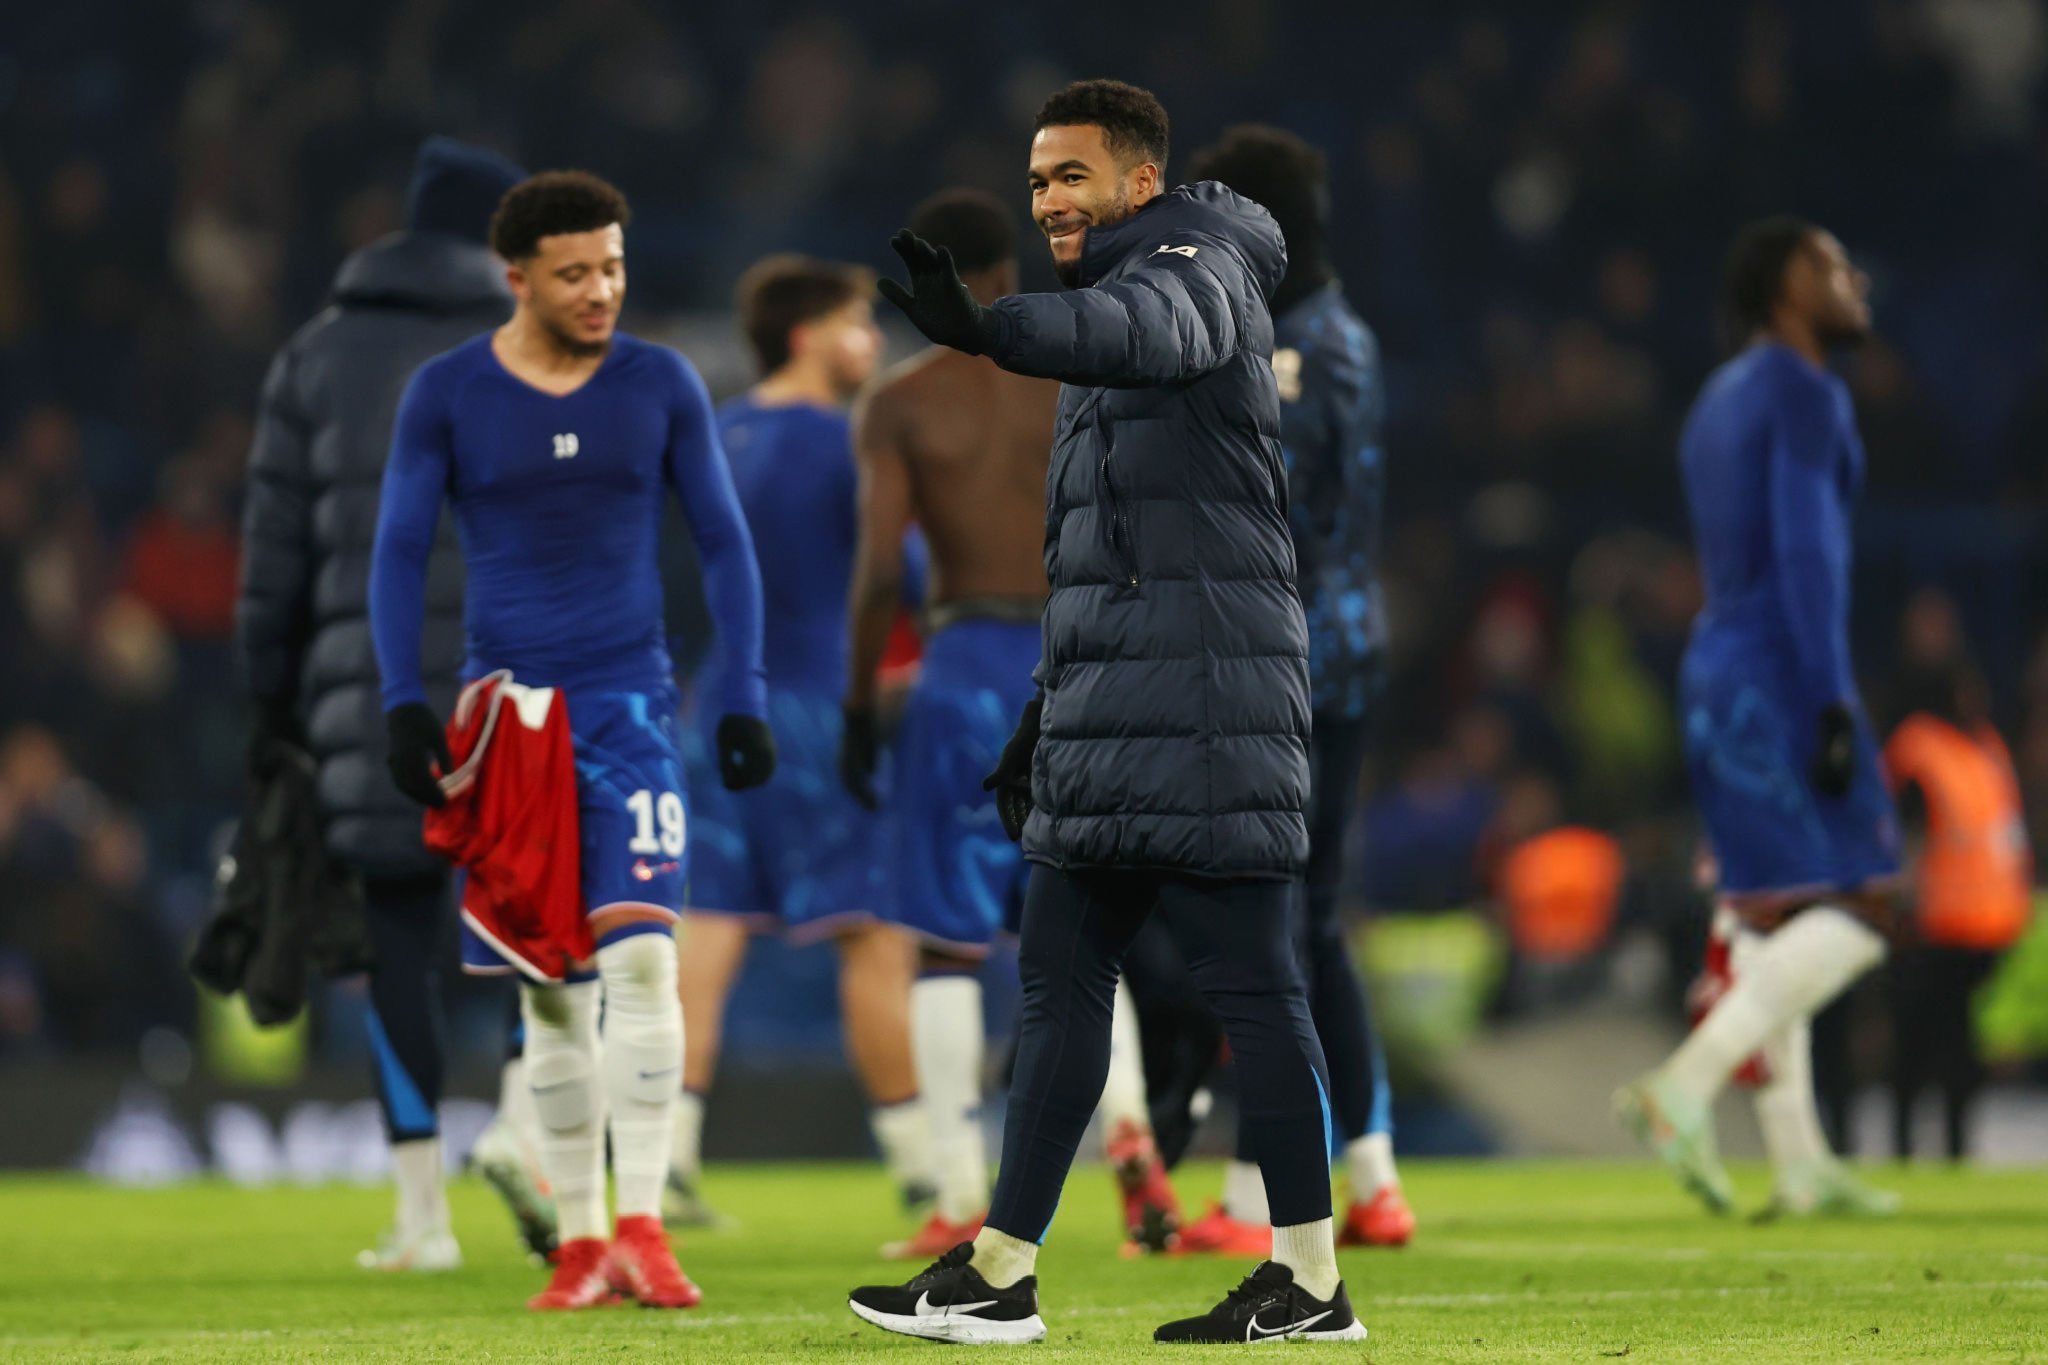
[
  {"x": 949, "y": 1301},
  {"x": 1269, "y": 1306}
]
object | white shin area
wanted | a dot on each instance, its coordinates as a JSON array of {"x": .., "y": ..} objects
[
  {"x": 643, "y": 1064},
  {"x": 946, "y": 1035},
  {"x": 568, "y": 1102}
]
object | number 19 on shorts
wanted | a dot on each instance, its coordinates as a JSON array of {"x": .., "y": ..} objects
[{"x": 658, "y": 822}]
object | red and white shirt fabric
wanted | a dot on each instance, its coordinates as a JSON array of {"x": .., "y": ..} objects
[{"x": 511, "y": 823}]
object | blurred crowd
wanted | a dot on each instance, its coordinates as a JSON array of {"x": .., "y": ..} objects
[{"x": 1531, "y": 203}]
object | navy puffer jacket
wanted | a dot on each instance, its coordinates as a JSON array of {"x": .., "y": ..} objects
[
  {"x": 1175, "y": 659},
  {"x": 315, "y": 471}
]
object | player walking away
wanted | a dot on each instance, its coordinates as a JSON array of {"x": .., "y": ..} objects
[
  {"x": 959, "y": 446},
  {"x": 1332, "y": 407},
  {"x": 1784, "y": 765},
  {"x": 799, "y": 853},
  {"x": 552, "y": 438},
  {"x": 322, "y": 436},
  {"x": 1162, "y": 765}
]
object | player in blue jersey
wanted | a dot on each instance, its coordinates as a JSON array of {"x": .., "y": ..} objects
[
  {"x": 1784, "y": 765},
  {"x": 799, "y": 854},
  {"x": 1326, "y": 364},
  {"x": 554, "y": 440}
]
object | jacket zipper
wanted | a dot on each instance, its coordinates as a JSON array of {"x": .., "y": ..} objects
[{"x": 1121, "y": 538}]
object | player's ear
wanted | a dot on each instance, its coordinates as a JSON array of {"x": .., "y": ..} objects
[{"x": 1147, "y": 182}]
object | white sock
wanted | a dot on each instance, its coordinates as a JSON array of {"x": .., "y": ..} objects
[
  {"x": 515, "y": 1110},
  {"x": 1123, "y": 1094},
  {"x": 1001, "y": 1259},
  {"x": 422, "y": 1197},
  {"x": 686, "y": 1146},
  {"x": 568, "y": 1103},
  {"x": 903, "y": 1135},
  {"x": 1785, "y": 1107},
  {"x": 1807, "y": 962},
  {"x": 946, "y": 1040},
  {"x": 1370, "y": 1162},
  {"x": 643, "y": 1061},
  {"x": 1244, "y": 1193},
  {"x": 1310, "y": 1251}
]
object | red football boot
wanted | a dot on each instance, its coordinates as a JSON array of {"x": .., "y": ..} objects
[
  {"x": 644, "y": 1268},
  {"x": 938, "y": 1236},
  {"x": 1151, "y": 1209},
  {"x": 1216, "y": 1233},
  {"x": 579, "y": 1280},
  {"x": 1385, "y": 1220}
]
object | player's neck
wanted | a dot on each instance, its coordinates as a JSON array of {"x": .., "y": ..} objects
[
  {"x": 1796, "y": 336},
  {"x": 534, "y": 354},
  {"x": 797, "y": 383}
]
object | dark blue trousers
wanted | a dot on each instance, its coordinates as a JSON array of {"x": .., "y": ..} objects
[{"x": 1235, "y": 939}]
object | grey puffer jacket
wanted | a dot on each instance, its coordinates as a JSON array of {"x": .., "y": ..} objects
[
  {"x": 322, "y": 436},
  {"x": 1175, "y": 658}
]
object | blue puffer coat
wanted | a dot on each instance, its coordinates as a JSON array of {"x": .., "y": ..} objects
[{"x": 1175, "y": 657}]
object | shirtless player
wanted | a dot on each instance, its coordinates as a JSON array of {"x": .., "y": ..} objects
[{"x": 960, "y": 447}]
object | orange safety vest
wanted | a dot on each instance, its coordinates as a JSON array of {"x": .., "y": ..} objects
[
  {"x": 1560, "y": 890},
  {"x": 1976, "y": 872}
]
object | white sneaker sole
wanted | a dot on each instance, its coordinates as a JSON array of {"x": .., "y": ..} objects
[
  {"x": 1354, "y": 1332},
  {"x": 963, "y": 1331}
]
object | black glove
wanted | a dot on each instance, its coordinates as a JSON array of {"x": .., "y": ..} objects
[
  {"x": 1834, "y": 759},
  {"x": 273, "y": 729},
  {"x": 936, "y": 302},
  {"x": 417, "y": 744},
  {"x": 860, "y": 748},
  {"x": 746, "y": 752},
  {"x": 1011, "y": 781}
]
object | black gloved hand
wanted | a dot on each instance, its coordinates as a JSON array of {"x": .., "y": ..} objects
[
  {"x": 937, "y": 302},
  {"x": 273, "y": 729},
  {"x": 1834, "y": 759},
  {"x": 746, "y": 752},
  {"x": 860, "y": 748},
  {"x": 1011, "y": 781},
  {"x": 418, "y": 743}
]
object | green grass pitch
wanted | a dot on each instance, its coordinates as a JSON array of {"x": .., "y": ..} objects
[{"x": 1549, "y": 1261}]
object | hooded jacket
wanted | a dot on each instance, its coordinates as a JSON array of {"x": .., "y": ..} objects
[
  {"x": 323, "y": 432},
  {"x": 1175, "y": 657}
]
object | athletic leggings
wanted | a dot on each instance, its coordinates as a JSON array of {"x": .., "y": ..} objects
[
  {"x": 1180, "y": 1037},
  {"x": 1336, "y": 997},
  {"x": 1234, "y": 938},
  {"x": 407, "y": 918}
]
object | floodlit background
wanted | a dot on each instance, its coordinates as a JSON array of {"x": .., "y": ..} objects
[{"x": 1531, "y": 202}]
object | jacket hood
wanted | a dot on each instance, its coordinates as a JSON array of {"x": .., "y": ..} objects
[
  {"x": 431, "y": 271},
  {"x": 1207, "y": 206}
]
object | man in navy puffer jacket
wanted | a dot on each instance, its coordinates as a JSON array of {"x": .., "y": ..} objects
[{"x": 1163, "y": 764}]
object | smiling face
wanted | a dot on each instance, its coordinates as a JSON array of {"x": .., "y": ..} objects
[
  {"x": 574, "y": 284},
  {"x": 1077, "y": 183}
]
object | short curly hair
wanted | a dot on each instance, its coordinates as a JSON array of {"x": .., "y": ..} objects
[
  {"x": 552, "y": 203},
  {"x": 1132, "y": 120},
  {"x": 972, "y": 224},
  {"x": 1276, "y": 169},
  {"x": 1753, "y": 278}
]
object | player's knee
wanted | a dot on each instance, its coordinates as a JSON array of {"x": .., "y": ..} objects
[
  {"x": 639, "y": 971},
  {"x": 545, "y": 1009},
  {"x": 563, "y": 1081}
]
